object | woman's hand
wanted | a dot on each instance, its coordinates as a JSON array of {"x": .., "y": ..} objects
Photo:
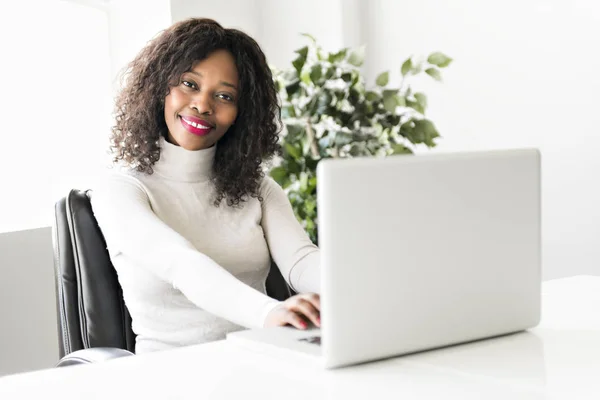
[{"x": 295, "y": 310}]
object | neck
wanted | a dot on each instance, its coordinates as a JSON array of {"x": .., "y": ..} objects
[{"x": 178, "y": 164}]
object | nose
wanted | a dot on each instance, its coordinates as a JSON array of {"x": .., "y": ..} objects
[{"x": 202, "y": 103}]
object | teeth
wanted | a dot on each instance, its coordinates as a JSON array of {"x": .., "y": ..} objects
[{"x": 195, "y": 125}]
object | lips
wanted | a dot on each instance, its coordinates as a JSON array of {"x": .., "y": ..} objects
[{"x": 196, "y": 126}]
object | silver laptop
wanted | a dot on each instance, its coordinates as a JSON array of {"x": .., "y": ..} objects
[{"x": 420, "y": 252}]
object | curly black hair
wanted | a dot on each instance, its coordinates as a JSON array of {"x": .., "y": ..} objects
[{"x": 147, "y": 80}]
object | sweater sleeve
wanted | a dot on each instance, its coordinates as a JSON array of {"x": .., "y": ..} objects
[
  {"x": 291, "y": 248},
  {"x": 130, "y": 227}
]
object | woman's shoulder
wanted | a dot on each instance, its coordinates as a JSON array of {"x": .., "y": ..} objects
[
  {"x": 272, "y": 193},
  {"x": 119, "y": 180},
  {"x": 268, "y": 185}
]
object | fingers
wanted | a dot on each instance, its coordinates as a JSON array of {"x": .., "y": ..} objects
[
  {"x": 307, "y": 309},
  {"x": 295, "y": 311},
  {"x": 290, "y": 317},
  {"x": 314, "y": 299},
  {"x": 308, "y": 305}
]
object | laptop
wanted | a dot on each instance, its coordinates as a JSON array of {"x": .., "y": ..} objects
[{"x": 420, "y": 252}]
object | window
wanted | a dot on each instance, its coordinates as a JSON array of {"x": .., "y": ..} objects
[{"x": 56, "y": 105}]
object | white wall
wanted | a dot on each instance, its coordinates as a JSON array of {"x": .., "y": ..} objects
[
  {"x": 276, "y": 25},
  {"x": 28, "y": 325},
  {"x": 283, "y": 22},
  {"x": 525, "y": 74},
  {"x": 57, "y": 75},
  {"x": 132, "y": 23},
  {"x": 28, "y": 330},
  {"x": 49, "y": 77},
  {"x": 239, "y": 14}
]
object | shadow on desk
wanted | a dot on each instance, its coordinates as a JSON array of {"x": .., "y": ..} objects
[
  {"x": 518, "y": 358},
  {"x": 539, "y": 360}
]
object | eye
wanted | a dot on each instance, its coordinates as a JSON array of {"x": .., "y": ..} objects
[
  {"x": 189, "y": 84},
  {"x": 225, "y": 96}
]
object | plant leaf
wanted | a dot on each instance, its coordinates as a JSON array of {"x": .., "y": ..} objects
[
  {"x": 298, "y": 63},
  {"x": 279, "y": 174},
  {"x": 427, "y": 131},
  {"x": 357, "y": 56},
  {"x": 406, "y": 67},
  {"x": 372, "y": 96},
  {"x": 330, "y": 73},
  {"x": 292, "y": 150},
  {"x": 325, "y": 141},
  {"x": 337, "y": 57},
  {"x": 422, "y": 100},
  {"x": 288, "y": 112},
  {"x": 294, "y": 132},
  {"x": 390, "y": 100},
  {"x": 415, "y": 105},
  {"x": 439, "y": 59},
  {"x": 302, "y": 52},
  {"x": 293, "y": 87},
  {"x": 305, "y": 77},
  {"x": 416, "y": 68},
  {"x": 289, "y": 75},
  {"x": 434, "y": 73},
  {"x": 401, "y": 149},
  {"x": 324, "y": 102},
  {"x": 291, "y": 166},
  {"x": 303, "y": 181},
  {"x": 316, "y": 73},
  {"x": 355, "y": 78},
  {"x": 310, "y": 205},
  {"x": 342, "y": 138},
  {"x": 383, "y": 79}
]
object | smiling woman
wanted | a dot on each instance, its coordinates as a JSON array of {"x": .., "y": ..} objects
[
  {"x": 197, "y": 63},
  {"x": 191, "y": 222},
  {"x": 202, "y": 107}
]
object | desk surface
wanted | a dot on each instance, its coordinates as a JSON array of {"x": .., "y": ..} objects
[{"x": 559, "y": 359}]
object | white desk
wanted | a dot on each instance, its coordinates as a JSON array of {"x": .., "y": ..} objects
[{"x": 558, "y": 359}]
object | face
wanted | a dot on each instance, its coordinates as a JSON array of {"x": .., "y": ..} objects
[{"x": 203, "y": 105}]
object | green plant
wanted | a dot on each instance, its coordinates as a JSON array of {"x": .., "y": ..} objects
[{"x": 328, "y": 111}]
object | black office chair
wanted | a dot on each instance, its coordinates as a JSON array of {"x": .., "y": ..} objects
[{"x": 94, "y": 323}]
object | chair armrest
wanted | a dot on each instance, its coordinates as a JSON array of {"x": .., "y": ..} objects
[{"x": 92, "y": 355}]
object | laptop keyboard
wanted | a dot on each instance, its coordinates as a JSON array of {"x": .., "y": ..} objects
[{"x": 312, "y": 339}]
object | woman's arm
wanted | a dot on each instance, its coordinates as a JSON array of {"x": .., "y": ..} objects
[
  {"x": 131, "y": 228},
  {"x": 291, "y": 248}
]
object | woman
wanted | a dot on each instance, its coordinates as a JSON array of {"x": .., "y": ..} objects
[{"x": 191, "y": 222}]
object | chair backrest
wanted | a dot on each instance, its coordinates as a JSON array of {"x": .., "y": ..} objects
[{"x": 90, "y": 304}]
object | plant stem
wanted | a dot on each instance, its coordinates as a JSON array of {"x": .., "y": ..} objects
[{"x": 314, "y": 150}]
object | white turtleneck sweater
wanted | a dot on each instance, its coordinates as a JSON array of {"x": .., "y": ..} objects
[{"x": 192, "y": 272}]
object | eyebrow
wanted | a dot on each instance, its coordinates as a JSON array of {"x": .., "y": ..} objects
[{"x": 231, "y": 85}]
